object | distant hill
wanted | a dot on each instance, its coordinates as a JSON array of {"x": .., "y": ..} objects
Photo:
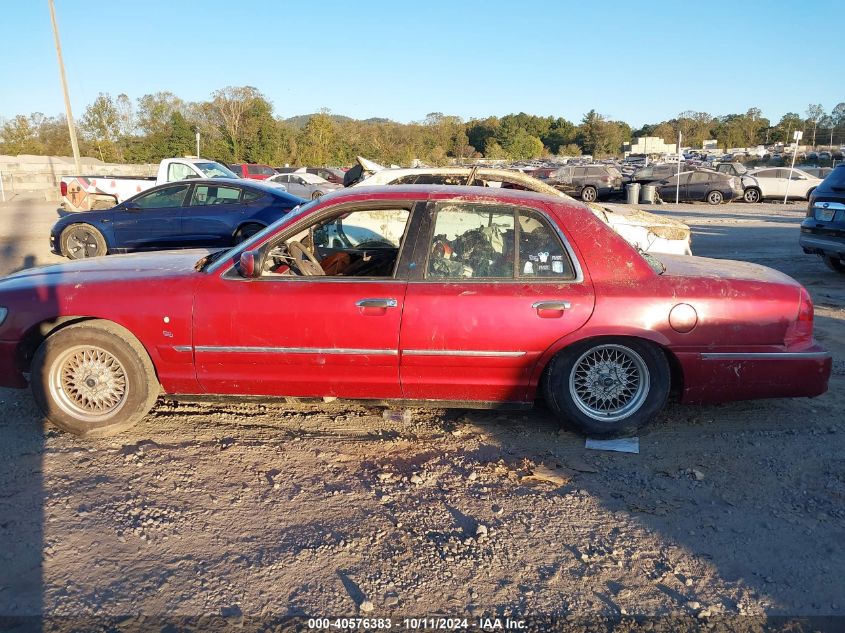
[{"x": 301, "y": 120}]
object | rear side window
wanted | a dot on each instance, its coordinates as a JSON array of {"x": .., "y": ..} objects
[
  {"x": 835, "y": 179},
  {"x": 252, "y": 196},
  {"x": 541, "y": 253}
]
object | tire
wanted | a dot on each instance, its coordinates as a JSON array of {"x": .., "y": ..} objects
[
  {"x": 714, "y": 197},
  {"x": 316, "y": 195},
  {"x": 809, "y": 193},
  {"x": 589, "y": 194},
  {"x": 80, "y": 241},
  {"x": 834, "y": 263},
  {"x": 246, "y": 232},
  {"x": 68, "y": 364},
  {"x": 752, "y": 195},
  {"x": 567, "y": 391}
]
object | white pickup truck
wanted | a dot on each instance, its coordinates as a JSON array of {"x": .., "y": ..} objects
[{"x": 86, "y": 193}]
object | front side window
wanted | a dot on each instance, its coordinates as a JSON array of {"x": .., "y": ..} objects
[
  {"x": 216, "y": 170},
  {"x": 163, "y": 198},
  {"x": 209, "y": 194},
  {"x": 471, "y": 241},
  {"x": 359, "y": 243}
]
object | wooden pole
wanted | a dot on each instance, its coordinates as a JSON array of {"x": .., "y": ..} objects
[{"x": 71, "y": 126}]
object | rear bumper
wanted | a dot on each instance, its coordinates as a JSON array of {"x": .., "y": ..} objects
[
  {"x": 832, "y": 246},
  {"x": 725, "y": 376},
  {"x": 10, "y": 373}
]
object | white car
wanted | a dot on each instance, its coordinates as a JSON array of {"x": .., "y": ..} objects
[
  {"x": 303, "y": 184},
  {"x": 649, "y": 232},
  {"x": 775, "y": 182}
]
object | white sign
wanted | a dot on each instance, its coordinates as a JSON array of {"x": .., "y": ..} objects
[{"x": 798, "y": 135}]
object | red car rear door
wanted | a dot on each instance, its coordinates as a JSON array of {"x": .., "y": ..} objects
[{"x": 479, "y": 311}]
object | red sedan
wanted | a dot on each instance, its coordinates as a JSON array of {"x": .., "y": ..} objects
[{"x": 445, "y": 295}]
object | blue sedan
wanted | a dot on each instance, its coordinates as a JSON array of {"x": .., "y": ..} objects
[{"x": 185, "y": 214}]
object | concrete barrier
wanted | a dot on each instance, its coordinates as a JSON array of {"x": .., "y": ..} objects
[{"x": 27, "y": 173}]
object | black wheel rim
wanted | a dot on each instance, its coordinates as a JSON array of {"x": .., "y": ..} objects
[{"x": 81, "y": 244}]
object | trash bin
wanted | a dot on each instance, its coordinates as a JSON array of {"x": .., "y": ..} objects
[
  {"x": 647, "y": 194},
  {"x": 632, "y": 191}
]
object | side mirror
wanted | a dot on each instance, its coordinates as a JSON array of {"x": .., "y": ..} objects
[{"x": 249, "y": 265}]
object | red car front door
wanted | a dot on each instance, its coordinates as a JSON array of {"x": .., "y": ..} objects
[
  {"x": 300, "y": 336},
  {"x": 310, "y": 335},
  {"x": 481, "y": 312}
]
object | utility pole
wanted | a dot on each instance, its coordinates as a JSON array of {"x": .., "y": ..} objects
[{"x": 71, "y": 126}]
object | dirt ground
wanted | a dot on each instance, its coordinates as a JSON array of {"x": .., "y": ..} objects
[{"x": 249, "y": 514}]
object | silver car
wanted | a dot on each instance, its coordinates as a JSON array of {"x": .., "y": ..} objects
[{"x": 303, "y": 184}]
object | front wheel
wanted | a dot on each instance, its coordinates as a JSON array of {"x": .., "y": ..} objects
[
  {"x": 316, "y": 195},
  {"x": 834, "y": 263},
  {"x": 79, "y": 241},
  {"x": 589, "y": 194},
  {"x": 715, "y": 197},
  {"x": 93, "y": 379},
  {"x": 751, "y": 195},
  {"x": 608, "y": 387}
]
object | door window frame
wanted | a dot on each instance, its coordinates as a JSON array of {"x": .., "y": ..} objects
[{"x": 401, "y": 269}]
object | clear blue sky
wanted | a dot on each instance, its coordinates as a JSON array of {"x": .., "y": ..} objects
[{"x": 639, "y": 61}]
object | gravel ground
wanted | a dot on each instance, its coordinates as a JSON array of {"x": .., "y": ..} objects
[{"x": 245, "y": 514}]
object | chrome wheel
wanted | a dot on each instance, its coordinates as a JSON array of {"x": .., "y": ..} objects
[
  {"x": 609, "y": 382},
  {"x": 714, "y": 197},
  {"x": 752, "y": 196},
  {"x": 88, "y": 383}
]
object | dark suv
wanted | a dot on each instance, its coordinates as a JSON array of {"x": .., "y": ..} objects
[
  {"x": 588, "y": 182},
  {"x": 823, "y": 230}
]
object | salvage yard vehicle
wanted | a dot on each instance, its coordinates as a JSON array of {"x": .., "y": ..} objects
[
  {"x": 187, "y": 214},
  {"x": 588, "y": 183},
  {"x": 702, "y": 185},
  {"x": 823, "y": 230},
  {"x": 304, "y": 185},
  {"x": 647, "y": 231},
  {"x": 253, "y": 171},
  {"x": 444, "y": 296},
  {"x": 86, "y": 193},
  {"x": 776, "y": 182}
]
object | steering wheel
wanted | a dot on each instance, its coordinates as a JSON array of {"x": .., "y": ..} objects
[{"x": 304, "y": 260}]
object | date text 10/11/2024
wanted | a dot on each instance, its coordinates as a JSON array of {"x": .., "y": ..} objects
[{"x": 442, "y": 624}]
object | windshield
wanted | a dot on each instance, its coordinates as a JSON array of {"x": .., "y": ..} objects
[
  {"x": 215, "y": 170},
  {"x": 236, "y": 251}
]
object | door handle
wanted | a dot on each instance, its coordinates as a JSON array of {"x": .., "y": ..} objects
[
  {"x": 376, "y": 303},
  {"x": 560, "y": 306}
]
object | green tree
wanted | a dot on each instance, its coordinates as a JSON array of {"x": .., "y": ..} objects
[
  {"x": 524, "y": 146},
  {"x": 317, "y": 140},
  {"x": 19, "y": 136},
  {"x": 100, "y": 123},
  {"x": 815, "y": 111},
  {"x": 495, "y": 151}
]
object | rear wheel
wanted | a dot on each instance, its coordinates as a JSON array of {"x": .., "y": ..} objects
[
  {"x": 608, "y": 387},
  {"x": 834, "y": 263},
  {"x": 589, "y": 194},
  {"x": 93, "y": 379},
  {"x": 714, "y": 197},
  {"x": 79, "y": 241},
  {"x": 752, "y": 195},
  {"x": 316, "y": 195},
  {"x": 246, "y": 232}
]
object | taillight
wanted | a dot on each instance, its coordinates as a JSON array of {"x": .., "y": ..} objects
[
  {"x": 800, "y": 331},
  {"x": 63, "y": 187}
]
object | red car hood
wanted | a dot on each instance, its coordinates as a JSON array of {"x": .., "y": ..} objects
[
  {"x": 158, "y": 264},
  {"x": 692, "y": 266}
]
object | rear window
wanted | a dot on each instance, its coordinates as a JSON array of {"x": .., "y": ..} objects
[{"x": 835, "y": 180}]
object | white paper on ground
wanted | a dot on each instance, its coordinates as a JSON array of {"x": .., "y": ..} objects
[{"x": 620, "y": 445}]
